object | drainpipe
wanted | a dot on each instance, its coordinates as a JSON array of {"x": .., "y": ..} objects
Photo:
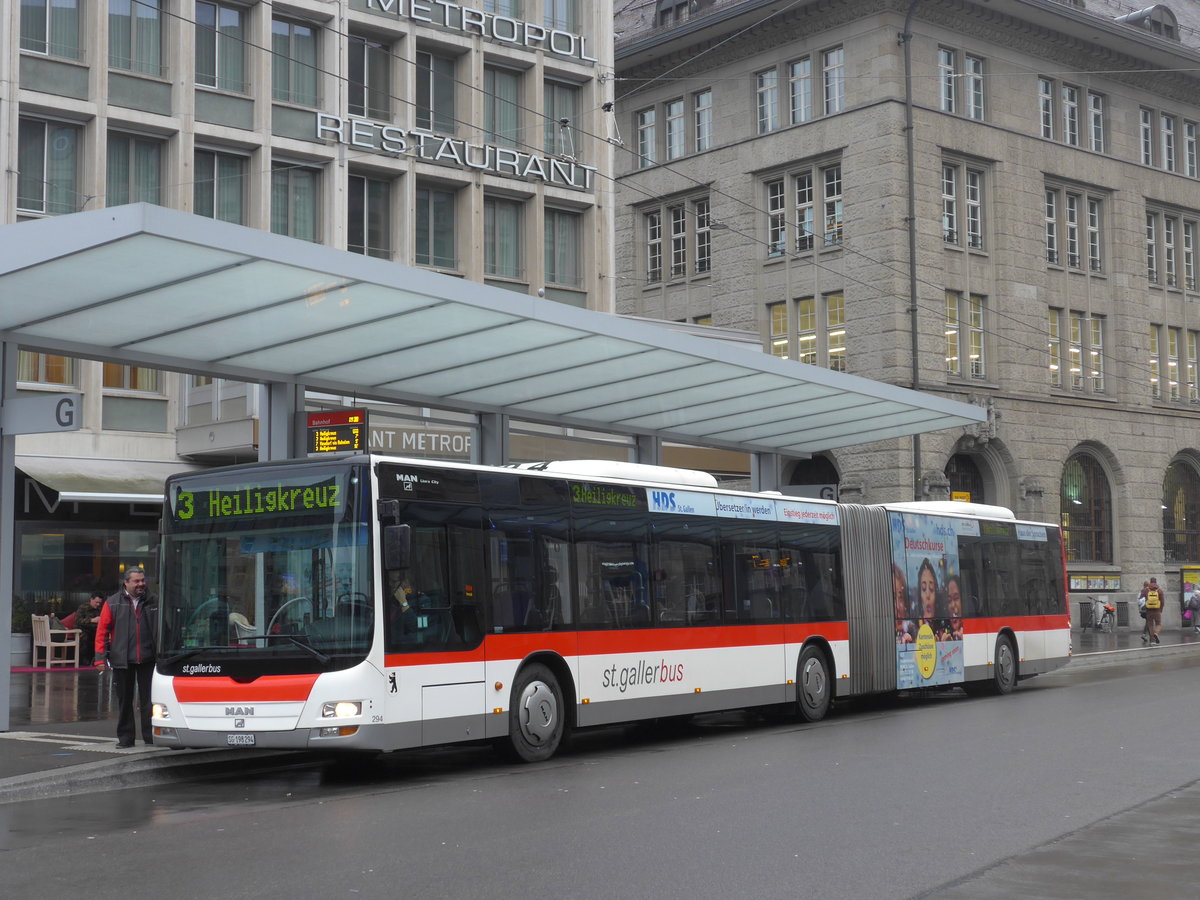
[{"x": 906, "y": 43}]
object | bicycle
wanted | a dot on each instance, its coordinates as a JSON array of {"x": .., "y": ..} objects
[{"x": 1104, "y": 616}]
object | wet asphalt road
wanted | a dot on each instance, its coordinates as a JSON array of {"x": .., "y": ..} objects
[{"x": 1075, "y": 786}]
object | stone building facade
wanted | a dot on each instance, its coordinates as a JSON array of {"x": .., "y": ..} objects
[{"x": 764, "y": 185}]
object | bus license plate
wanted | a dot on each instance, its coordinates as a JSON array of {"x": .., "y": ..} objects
[{"x": 239, "y": 740}]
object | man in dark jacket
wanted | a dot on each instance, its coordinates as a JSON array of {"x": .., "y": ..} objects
[{"x": 125, "y": 639}]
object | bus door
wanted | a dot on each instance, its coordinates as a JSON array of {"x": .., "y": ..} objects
[{"x": 434, "y": 622}]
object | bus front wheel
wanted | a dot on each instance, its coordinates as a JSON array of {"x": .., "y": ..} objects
[
  {"x": 536, "y": 717},
  {"x": 813, "y": 686}
]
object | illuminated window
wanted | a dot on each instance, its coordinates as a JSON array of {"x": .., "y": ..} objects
[
  {"x": 1155, "y": 364},
  {"x": 822, "y": 343},
  {"x": 1086, "y": 505},
  {"x": 132, "y": 378},
  {"x": 45, "y": 368},
  {"x": 1181, "y": 513},
  {"x": 778, "y": 315},
  {"x": 964, "y": 331}
]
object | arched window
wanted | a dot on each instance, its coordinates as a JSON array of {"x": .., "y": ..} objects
[
  {"x": 1086, "y": 510},
  {"x": 965, "y": 478},
  {"x": 1181, "y": 513},
  {"x": 818, "y": 475}
]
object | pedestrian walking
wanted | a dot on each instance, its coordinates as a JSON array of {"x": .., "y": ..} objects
[
  {"x": 1154, "y": 605},
  {"x": 125, "y": 641},
  {"x": 1192, "y": 613}
]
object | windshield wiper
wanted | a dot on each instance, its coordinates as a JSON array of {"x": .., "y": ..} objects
[{"x": 300, "y": 641}]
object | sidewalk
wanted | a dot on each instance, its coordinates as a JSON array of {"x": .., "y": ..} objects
[{"x": 62, "y": 736}]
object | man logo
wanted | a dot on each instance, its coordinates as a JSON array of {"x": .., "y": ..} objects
[{"x": 239, "y": 710}]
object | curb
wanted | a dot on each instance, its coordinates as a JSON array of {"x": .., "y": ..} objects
[
  {"x": 125, "y": 772},
  {"x": 1130, "y": 654}
]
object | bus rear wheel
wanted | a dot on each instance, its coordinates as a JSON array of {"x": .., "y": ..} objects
[
  {"x": 813, "y": 685},
  {"x": 536, "y": 716}
]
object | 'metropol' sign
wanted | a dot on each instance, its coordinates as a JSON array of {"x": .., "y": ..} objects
[
  {"x": 457, "y": 17},
  {"x": 453, "y": 151}
]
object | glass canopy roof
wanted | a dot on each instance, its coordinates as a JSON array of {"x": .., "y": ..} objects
[{"x": 158, "y": 287}]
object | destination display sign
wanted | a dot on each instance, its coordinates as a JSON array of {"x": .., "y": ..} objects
[
  {"x": 252, "y": 500},
  {"x": 337, "y": 431},
  {"x": 610, "y": 495}
]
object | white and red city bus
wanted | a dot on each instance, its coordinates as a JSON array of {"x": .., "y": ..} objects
[{"x": 377, "y": 603}]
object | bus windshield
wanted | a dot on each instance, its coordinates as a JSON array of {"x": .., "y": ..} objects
[{"x": 270, "y": 567}]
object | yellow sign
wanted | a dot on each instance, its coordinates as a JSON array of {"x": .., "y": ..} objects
[
  {"x": 964, "y": 496},
  {"x": 926, "y": 651}
]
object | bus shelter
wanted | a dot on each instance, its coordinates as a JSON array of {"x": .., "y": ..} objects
[{"x": 155, "y": 287}]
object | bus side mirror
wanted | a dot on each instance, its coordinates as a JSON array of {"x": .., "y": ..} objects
[{"x": 397, "y": 546}]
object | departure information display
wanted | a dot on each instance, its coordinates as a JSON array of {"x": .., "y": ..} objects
[{"x": 337, "y": 431}]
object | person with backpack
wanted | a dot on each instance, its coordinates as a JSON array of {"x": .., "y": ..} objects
[
  {"x": 1192, "y": 616},
  {"x": 1152, "y": 594}
]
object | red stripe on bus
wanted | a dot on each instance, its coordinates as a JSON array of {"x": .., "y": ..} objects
[
  {"x": 647, "y": 640},
  {"x": 1026, "y": 623},
  {"x": 262, "y": 689}
]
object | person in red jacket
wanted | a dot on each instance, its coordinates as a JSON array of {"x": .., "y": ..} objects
[{"x": 125, "y": 643}]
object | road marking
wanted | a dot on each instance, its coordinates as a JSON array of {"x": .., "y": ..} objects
[{"x": 81, "y": 742}]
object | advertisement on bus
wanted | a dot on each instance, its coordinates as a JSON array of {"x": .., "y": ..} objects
[{"x": 927, "y": 596}]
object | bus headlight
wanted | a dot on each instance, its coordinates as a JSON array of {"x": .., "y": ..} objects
[
  {"x": 159, "y": 711},
  {"x": 343, "y": 709}
]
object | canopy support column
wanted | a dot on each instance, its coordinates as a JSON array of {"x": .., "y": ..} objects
[
  {"x": 493, "y": 439},
  {"x": 764, "y": 471},
  {"x": 280, "y": 422},
  {"x": 8, "y": 460},
  {"x": 648, "y": 449}
]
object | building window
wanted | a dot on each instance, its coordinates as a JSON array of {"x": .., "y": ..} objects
[
  {"x": 560, "y": 103},
  {"x": 1193, "y": 388},
  {"x": 947, "y": 74},
  {"x": 1189, "y": 150},
  {"x": 503, "y": 238},
  {"x": 676, "y": 136},
  {"x": 704, "y": 120},
  {"x": 973, "y": 86},
  {"x": 1167, "y": 135},
  {"x": 219, "y": 191},
  {"x": 1073, "y": 223},
  {"x": 778, "y": 316},
  {"x": 654, "y": 247},
  {"x": 1152, "y": 247},
  {"x": 561, "y": 14},
  {"x": 435, "y": 93},
  {"x": 132, "y": 378},
  {"x": 1170, "y": 271},
  {"x": 1189, "y": 255},
  {"x": 221, "y": 47},
  {"x": 834, "y": 220},
  {"x": 434, "y": 229},
  {"x": 502, "y": 94},
  {"x": 805, "y": 211},
  {"x": 1155, "y": 364},
  {"x": 821, "y": 331},
  {"x": 294, "y": 62},
  {"x": 134, "y": 170},
  {"x": 776, "y": 219},
  {"x": 1096, "y": 121},
  {"x": 295, "y": 201},
  {"x": 1070, "y": 113},
  {"x": 135, "y": 36},
  {"x": 1086, "y": 504},
  {"x": 964, "y": 335},
  {"x": 369, "y": 216},
  {"x": 1181, "y": 513},
  {"x": 767, "y": 94},
  {"x": 962, "y": 220},
  {"x": 1173, "y": 373},
  {"x": 687, "y": 225},
  {"x": 677, "y": 216},
  {"x": 562, "y": 247},
  {"x": 1084, "y": 350},
  {"x": 45, "y": 368},
  {"x": 1046, "y": 106},
  {"x": 833, "y": 71},
  {"x": 800, "y": 90},
  {"x": 700, "y": 210},
  {"x": 50, "y": 27},
  {"x": 47, "y": 167},
  {"x": 646, "y": 138},
  {"x": 1146, "y": 133},
  {"x": 369, "y": 80}
]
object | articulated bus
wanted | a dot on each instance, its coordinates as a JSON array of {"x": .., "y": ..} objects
[{"x": 376, "y": 603}]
